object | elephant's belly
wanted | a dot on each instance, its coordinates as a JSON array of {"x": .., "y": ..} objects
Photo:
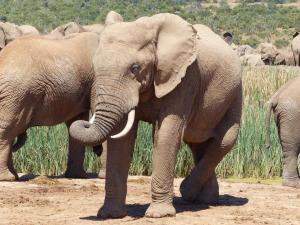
[
  {"x": 54, "y": 114},
  {"x": 192, "y": 135},
  {"x": 202, "y": 126}
]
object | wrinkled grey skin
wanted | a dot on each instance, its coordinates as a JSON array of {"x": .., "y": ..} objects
[
  {"x": 10, "y": 31},
  {"x": 44, "y": 82},
  {"x": 285, "y": 104},
  {"x": 296, "y": 48},
  {"x": 177, "y": 79}
]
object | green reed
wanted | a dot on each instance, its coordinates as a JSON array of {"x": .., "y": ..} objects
[{"x": 45, "y": 151}]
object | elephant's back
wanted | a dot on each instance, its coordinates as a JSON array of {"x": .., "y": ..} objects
[
  {"x": 32, "y": 56},
  {"x": 214, "y": 54},
  {"x": 289, "y": 92}
]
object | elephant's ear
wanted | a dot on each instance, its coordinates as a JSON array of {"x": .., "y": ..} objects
[
  {"x": 176, "y": 50},
  {"x": 113, "y": 17},
  {"x": 2, "y": 38},
  {"x": 295, "y": 34}
]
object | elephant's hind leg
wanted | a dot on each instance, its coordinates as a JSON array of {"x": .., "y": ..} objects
[
  {"x": 76, "y": 155},
  {"x": 209, "y": 193},
  {"x": 289, "y": 139},
  {"x": 193, "y": 187}
]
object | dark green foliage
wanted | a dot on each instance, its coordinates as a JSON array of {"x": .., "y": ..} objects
[{"x": 244, "y": 21}]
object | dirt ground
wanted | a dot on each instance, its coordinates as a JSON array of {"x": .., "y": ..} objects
[{"x": 65, "y": 201}]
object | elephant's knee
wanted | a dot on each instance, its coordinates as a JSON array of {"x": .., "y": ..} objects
[{"x": 230, "y": 137}]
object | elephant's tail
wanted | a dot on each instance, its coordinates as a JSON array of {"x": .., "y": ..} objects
[
  {"x": 268, "y": 128},
  {"x": 21, "y": 139}
]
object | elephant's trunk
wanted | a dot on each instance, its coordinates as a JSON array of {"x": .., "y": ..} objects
[{"x": 109, "y": 111}]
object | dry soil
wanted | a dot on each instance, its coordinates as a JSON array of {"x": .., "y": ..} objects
[{"x": 52, "y": 201}]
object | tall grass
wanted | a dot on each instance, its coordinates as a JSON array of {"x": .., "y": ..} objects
[{"x": 45, "y": 151}]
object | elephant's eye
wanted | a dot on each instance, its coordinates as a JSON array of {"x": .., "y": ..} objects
[{"x": 135, "y": 68}]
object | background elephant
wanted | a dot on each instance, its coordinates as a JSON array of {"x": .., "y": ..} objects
[
  {"x": 73, "y": 27},
  {"x": 42, "y": 83},
  {"x": 270, "y": 55},
  {"x": 10, "y": 31},
  {"x": 285, "y": 106},
  {"x": 252, "y": 60},
  {"x": 47, "y": 85},
  {"x": 296, "y": 48},
  {"x": 174, "y": 76},
  {"x": 66, "y": 29}
]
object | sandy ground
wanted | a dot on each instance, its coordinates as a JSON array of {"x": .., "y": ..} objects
[{"x": 66, "y": 201}]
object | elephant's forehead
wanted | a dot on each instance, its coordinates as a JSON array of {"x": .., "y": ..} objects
[{"x": 127, "y": 33}]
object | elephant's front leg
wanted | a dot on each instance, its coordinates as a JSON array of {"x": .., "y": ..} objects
[
  {"x": 119, "y": 154},
  {"x": 7, "y": 171},
  {"x": 102, "y": 172},
  {"x": 76, "y": 154},
  {"x": 167, "y": 139}
]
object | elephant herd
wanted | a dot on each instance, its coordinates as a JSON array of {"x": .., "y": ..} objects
[
  {"x": 159, "y": 69},
  {"x": 267, "y": 53}
]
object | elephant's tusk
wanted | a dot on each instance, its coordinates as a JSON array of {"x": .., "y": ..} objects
[
  {"x": 128, "y": 126},
  {"x": 91, "y": 121}
]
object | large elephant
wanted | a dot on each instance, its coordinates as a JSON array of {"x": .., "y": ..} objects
[
  {"x": 285, "y": 104},
  {"x": 296, "y": 48},
  {"x": 10, "y": 31},
  {"x": 183, "y": 79},
  {"x": 44, "y": 82}
]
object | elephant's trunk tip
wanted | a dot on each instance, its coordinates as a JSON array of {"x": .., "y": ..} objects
[{"x": 85, "y": 132}]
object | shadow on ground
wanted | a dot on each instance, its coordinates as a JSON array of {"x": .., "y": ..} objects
[
  {"x": 30, "y": 176},
  {"x": 139, "y": 210}
]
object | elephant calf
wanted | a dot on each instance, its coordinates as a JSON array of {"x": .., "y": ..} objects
[
  {"x": 285, "y": 104},
  {"x": 44, "y": 82}
]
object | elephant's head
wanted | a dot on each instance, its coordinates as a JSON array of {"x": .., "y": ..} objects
[
  {"x": 8, "y": 33},
  {"x": 268, "y": 53},
  {"x": 66, "y": 29},
  {"x": 134, "y": 59}
]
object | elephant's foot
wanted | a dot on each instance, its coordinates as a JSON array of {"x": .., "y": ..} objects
[
  {"x": 6, "y": 175},
  {"x": 71, "y": 173},
  {"x": 208, "y": 194},
  {"x": 158, "y": 210},
  {"x": 295, "y": 183},
  {"x": 111, "y": 211},
  {"x": 102, "y": 174},
  {"x": 186, "y": 190}
]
